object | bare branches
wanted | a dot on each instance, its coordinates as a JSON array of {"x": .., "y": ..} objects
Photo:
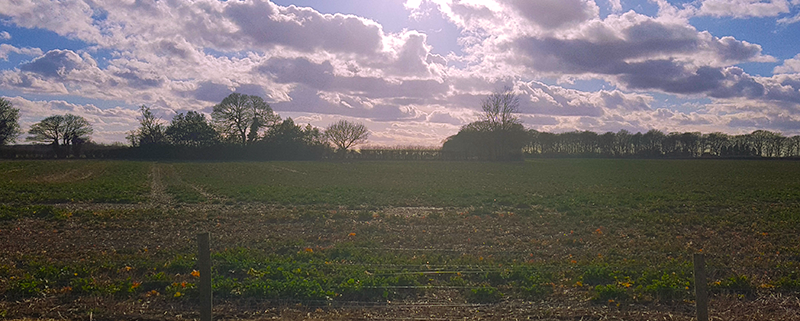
[
  {"x": 345, "y": 134},
  {"x": 238, "y": 113},
  {"x": 499, "y": 109}
]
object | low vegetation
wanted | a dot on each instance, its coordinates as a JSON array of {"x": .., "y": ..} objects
[{"x": 595, "y": 235}]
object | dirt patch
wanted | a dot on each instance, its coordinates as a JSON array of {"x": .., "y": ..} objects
[{"x": 158, "y": 189}]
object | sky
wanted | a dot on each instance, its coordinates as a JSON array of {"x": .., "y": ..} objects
[{"x": 413, "y": 71}]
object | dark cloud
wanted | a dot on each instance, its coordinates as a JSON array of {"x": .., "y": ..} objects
[
  {"x": 299, "y": 70},
  {"x": 554, "y": 13},
  {"x": 139, "y": 81},
  {"x": 784, "y": 88},
  {"x": 212, "y": 92},
  {"x": 644, "y": 57},
  {"x": 321, "y": 76},
  {"x": 444, "y": 118},
  {"x": 307, "y": 99},
  {"x": 303, "y": 28},
  {"x": 251, "y": 89},
  {"x": 731, "y": 49},
  {"x": 55, "y": 63}
]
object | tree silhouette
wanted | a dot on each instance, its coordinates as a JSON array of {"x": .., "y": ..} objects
[
  {"x": 240, "y": 117},
  {"x": 345, "y": 134},
  {"x": 61, "y": 130},
  {"x": 497, "y": 135},
  {"x": 9, "y": 122},
  {"x": 192, "y": 130},
  {"x": 499, "y": 109},
  {"x": 151, "y": 129}
]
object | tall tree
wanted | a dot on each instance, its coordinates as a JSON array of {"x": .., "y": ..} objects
[
  {"x": 66, "y": 133},
  {"x": 191, "y": 129},
  {"x": 49, "y": 130},
  {"x": 499, "y": 109},
  {"x": 345, "y": 134},
  {"x": 652, "y": 141},
  {"x": 76, "y": 130},
  {"x": 715, "y": 142},
  {"x": 241, "y": 117},
  {"x": 761, "y": 140},
  {"x": 151, "y": 129},
  {"x": 9, "y": 122}
]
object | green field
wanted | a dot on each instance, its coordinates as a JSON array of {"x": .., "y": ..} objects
[{"x": 557, "y": 237}]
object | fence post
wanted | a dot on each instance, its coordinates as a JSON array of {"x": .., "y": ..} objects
[
  {"x": 700, "y": 287},
  {"x": 204, "y": 262}
]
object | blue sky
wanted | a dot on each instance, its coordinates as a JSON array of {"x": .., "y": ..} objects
[{"x": 413, "y": 71}]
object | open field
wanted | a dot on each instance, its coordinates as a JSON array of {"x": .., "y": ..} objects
[{"x": 560, "y": 239}]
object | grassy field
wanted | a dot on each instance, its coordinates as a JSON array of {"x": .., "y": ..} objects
[{"x": 556, "y": 238}]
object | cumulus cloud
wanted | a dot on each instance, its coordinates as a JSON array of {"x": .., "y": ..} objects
[
  {"x": 181, "y": 55},
  {"x": 305, "y": 99},
  {"x": 541, "y": 99},
  {"x": 551, "y": 14},
  {"x": 616, "y": 5},
  {"x": 110, "y": 124},
  {"x": 4, "y": 35},
  {"x": 789, "y": 66},
  {"x": 58, "y": 63},
  {"x": 6, "y": 49}
]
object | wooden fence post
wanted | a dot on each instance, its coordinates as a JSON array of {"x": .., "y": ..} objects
[
  {"x": 700, "y": 287},
  {"x": 204, "y": 262}
]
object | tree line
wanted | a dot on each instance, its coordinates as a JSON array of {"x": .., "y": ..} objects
[
  {"x": 245, "y": 127},
  {"x": 498, "y": 135},
  {"x": 241, "y": 127}
]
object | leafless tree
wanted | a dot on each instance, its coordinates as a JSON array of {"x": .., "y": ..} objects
[
  {"x": 241, "y": 116},
  {"x": 345, "y": 134},
  {"x": 499, "y": 109}
]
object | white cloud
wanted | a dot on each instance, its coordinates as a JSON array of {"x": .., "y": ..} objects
[
  {"x": 179, "y": 55},
  {"x": 743, "y": 8},
  {"x": 616, "y": 5},
  {"x": 4, "y": 35},
  {"x": 789, "y": 66},
  {"x": 5, "y": 49},
  {"x": 789, "y": 20}
]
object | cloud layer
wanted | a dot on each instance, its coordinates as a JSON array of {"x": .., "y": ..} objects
[{"x": 177, "y": 55}]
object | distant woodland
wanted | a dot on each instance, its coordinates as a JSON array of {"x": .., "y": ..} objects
[{"x": 244, "y": 127}]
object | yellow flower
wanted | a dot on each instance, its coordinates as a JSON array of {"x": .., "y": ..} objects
[
  {"x": 178, "y": 294},
  {"x": 196, "y": 273}
]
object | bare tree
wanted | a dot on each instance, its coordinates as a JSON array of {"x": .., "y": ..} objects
[
  {"x": 9, "y": 122},
  {"x": 241, "y": 116},
  {"x": 345, "y": 134},
  {"x": 499, "y": 109}
]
